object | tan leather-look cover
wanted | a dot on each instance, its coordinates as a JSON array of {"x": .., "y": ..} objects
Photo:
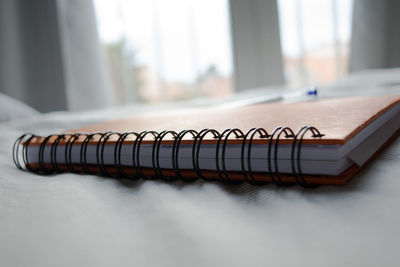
[{"x": 339, "y": 119}]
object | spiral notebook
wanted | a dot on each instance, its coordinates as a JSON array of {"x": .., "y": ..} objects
[{"x": 316, "y": 142}]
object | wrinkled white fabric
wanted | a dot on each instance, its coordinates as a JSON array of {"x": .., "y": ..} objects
[
  {"x": 11, "y": 109},
  {"x": 85, "y": 220}
]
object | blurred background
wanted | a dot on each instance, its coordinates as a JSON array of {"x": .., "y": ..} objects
[{"x": 90, "y": 54}]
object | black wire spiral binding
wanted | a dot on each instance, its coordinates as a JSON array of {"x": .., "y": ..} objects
[
  {"x": 136, "y": 151},
  {"x": 16, "y": 146},
  {"x": 25, "y": 153},
  {"x": 295, "y": 159},
  {"x": 53, "y": 152},
  {"x": 41, "y": 155},
  {"x": 83, "y": 152},
  {"x": 238, "y": 134},
  {"x": 155, "y": 155},
  {"x": 175, "y": 154},
  {"x": 100, "y": 140},
  {"x": 68, "y": 151},
  {"x": 196, "y": 151},
  {"x": 249, "y": 173},
  {"x": 117, "y": 152}
]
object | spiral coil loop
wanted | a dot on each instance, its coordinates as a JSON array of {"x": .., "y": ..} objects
[
  {"x": 50, "y": 145},
  {"x": 25, "y": 154},
  {"x": 118, "y": 151},
  {"x": 156, "y": 154},
  {"x": 53, "y": 152},
  {"x": 238, "y": 134},
  {"x": 295, "y": 159},
  {"x": 136, "y": 150},
  {"x": 41, "y": 155},
  {"x": 83, "y": 152},
  {"x": 249, "y": 173},
  {"x": 68, "y": 150},
  {"x": 175, "y": 154},
  {"x": 196, "y": 151}
]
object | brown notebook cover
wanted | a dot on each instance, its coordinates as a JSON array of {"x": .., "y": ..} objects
[{"x": 337, "y": 119}]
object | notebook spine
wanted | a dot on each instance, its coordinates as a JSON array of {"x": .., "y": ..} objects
[{"x": 21, "y": 158}]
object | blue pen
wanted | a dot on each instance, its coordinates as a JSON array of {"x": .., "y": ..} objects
[
  {"x": 313, "y": 91},
  {"x": 294, "y": 96}
]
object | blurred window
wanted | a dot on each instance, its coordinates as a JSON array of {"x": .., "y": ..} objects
[
  {"x": 181, "y": 49},
  {"x": 166, "y": 50},
  {"x": 315, "y": 38}
]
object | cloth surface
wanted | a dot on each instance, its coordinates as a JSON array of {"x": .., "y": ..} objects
[
  {"x": 11, "y": 109},
  {"x": 86, "y": 220}
]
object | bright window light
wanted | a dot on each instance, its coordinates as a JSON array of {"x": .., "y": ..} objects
[
  {"x": 315, "y": 38},
  {"x": 166, "y": 50}
]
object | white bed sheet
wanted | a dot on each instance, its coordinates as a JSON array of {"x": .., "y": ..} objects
[{"x": 85, "y": 220}]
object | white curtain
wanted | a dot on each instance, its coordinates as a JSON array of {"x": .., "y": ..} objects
[
  {"x": 256, "y": 43},
  {"x": 376, "y": 35},
  {"x": 50, "y": 55}
]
